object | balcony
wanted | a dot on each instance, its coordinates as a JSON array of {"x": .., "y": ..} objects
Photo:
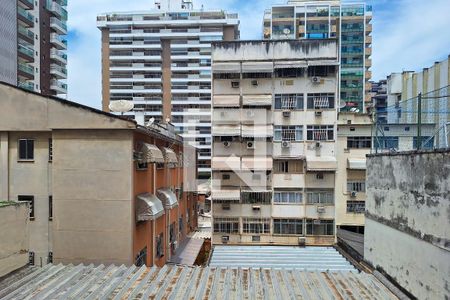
[
  {"x": 58, "y": 26},
  {"x": 56, "y": 9},
  {"x": 25, "y": 17},
  {"x": 26, "y": 85},
  {"x": 368, "y": 63},
  {"x": 368, "y": 51},
  {"x": 26, "y": 34},
  {"x": 58, "y": 87},
  {"x": 58, "y": 41},
  {"x": 58, "y": 71},
  {"x": 28, "y": 4},
  {"x": 58, "y": 55},
  {"x": 369, "y": 39},
  {"x": 25, "y": 70},
  {"x": 319, "y": 211},
  {"x": 288, "y": 180},
  {"x": 369, "y": 28},
  {"x": 26, "y": 53}
]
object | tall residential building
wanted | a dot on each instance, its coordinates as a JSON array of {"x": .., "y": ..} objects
[
  {"x": 33, "y": 49},
  {"x": 349, "y": 22},
  {"x": 379, "y": 100},
  {"x": 161, "y": 60},
  {"x": 274, "y": 141}
]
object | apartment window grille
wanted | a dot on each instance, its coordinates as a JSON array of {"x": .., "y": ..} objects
[
  {"x": 321, "y": 101},
  {"x": 50, "y": 149},
  {"x": 427, "y": 146},
  {"x": 288, "y": 226},
  {"x": 319, "y": 227},
  {"x": 320, "y": 197},
  {"x": 31, "y": 256},
  {"x": 226, "y": 225},
  {"x": 320, "y": 133},
  {"x": 289, "y": 72},
  {"x": 141, "y": 258},
  {"x": 159, "y": 246},
  {"x": 359, "y": 142},
  {"x": 287, "y": 197},
  {"x": 357, "y": 207},
  {"x": 288, "y": 166},
  {"x": 322, "y": 71},
  {"x": 256, "y": 197},
  {"x": 356, "y": 186},
  {"x": 50, "y": 208},
  {"x": 30, "y": 200},
  {"x": 288, "y": 133},
  {"x": 26, "y": 149},
  {"x": 289, "y": 101},
  {"x": 256, "y": 75},
  {"x": 256, "y": 225}
]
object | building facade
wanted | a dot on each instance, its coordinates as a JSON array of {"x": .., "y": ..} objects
[
  {"x": 274, "y": 142},
  {"x": 349, "y": 22},
  {"x": 433, "y": 83},
  {"x": 104, "y": 190},
  {"x": 33, "y": 52},
  {"x": 379, "y": 100},
  {"x": 161, "y": 60}
]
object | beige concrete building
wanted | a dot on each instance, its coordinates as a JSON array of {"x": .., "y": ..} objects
[
  {"x": 274, "y": 142},
  {"x": 13, "y": 236},
  {"x": 91, "y": 179}
]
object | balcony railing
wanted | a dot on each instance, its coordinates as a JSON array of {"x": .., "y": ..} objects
[
  {"x": 26, "y": 68},
  {"x": 25, "y": 50},
  {"x": 26, "y": 85},
  {"x": 55, "y": 84},
  {"x": 24, "y": 13},
  {"x": 57, "y": 9},
  {"x": 26, "y": 32},
  {"x": 55, "y": 22}
]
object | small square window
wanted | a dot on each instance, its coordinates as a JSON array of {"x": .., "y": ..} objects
[
  {"x": 386, "y": 128},
  {"x": 30, "y": 200},
  {"x": 407, "y": 128},
  {"x": 319, "y": 176},
  {"x": 26, "y": 149},
  {"x": 226, "y": 176},
  {"x": 352, "y": 129},
  {"x": 235, "y": 84}
]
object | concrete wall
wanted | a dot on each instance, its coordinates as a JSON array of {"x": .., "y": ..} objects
[
  {"x": 13, "y": 237},
  {"x": 408, "y": 219}
]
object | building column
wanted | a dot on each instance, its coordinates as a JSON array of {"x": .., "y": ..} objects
[
  {"x": 4, "y": 167},
  {"x": 166, "y": 81},
  {"x": 105, "y": 70}
]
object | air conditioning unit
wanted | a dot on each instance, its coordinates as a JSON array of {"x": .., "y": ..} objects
[
  {"x": 320, "y": 209},
  {"x": 250, "y": 113},
  {"x": 235, "y": 84},
  {"x": 319, "y": 176},
  {"x": 286, "y": 113},
  {"x": 226, "y": 144},
  {"x": 251, "y": 145},
  {"x": 225, "y": 239},
  {"x": 226, "y": 206},
  {"x": 318, "y": 113},
  {"x": 286, "y": 144},
  {"x": 301, "y": 241},
  {"x": 255, "y": 82},
  {"x": 256, "y": 207},
  {"x": 316, "y": 80},
  {"x": 353, "y": 194}
]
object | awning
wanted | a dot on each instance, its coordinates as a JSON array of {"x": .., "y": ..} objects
[
  {"x": 226, "y": 130},
  {"x": 169, "y": 155},
  {"x": 290, "y": 64},
  {"x": 152, "y": 154},
  {"x": 226, "y": 194},
  {"x": 168, "y": 198},
  {"x": 257, "y": 67},
  {"x": 323, "y": 63},
  {"x": 257, "y": 131},
  {"x": 257, "y": 100},
  {"x": 226, "y": 100},
  {"x": 356, "y": 163},
  {"x": 321, "y": 163},
  {"x": 226, "y": 163},
  {"x": 148, "y": 207},
  {"x": 226, "y": 68},
  {"x": 257, "y": 163}
]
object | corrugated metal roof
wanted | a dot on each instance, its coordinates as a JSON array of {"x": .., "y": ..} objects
[
  {"x": 173, "y": 282},
  {"x": 308, "y": 258}
]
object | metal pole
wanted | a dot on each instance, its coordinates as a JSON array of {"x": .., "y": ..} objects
[{"x": 419, "y": 121}]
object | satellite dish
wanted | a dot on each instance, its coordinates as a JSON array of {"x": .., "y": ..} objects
[
  {"x": 151, "y": 121},
  {"x": 286, "y": 31},
  {"x": 342, "y": 104},
  {"x": 121, "y": 106}
]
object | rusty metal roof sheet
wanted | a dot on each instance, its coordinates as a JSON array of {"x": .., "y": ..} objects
[{"x": 174, "y": 282}]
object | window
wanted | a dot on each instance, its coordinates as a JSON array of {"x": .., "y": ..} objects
[
  {"x": 50, "y": 149},
  {"x": 357, "y": 207},
  {"x": 159, "y": 246},
  {"x": 319, "y": 176},
  {"x": 26, "y": 149},
  {"x": 356, "y": 186},
  {"x": 256, "y": 225},
  {"x": 172, "y": 237},
  {"x": 30, "y": 200},
  {"x": 389, "y": 142},
  {"x": 359, "y": 142},
  {"x": 289, "y": 72},
  {"x": 289, "y": 101},
  {"x": 50, "y": 207},
  {"x": 141, "y": 165},
  {"x": 235, "y": 84},
  {"x": 226, "y": 176},
  {"x": 31, "y": 258},
  {"x": 319, "y": 227},
  {"x": 180, "y": 224},
  {"x": 50, "y": 257},
  {"x": 226, "y": 225},
  {"x": 320, "y": 197},
  {"x": 288, "y": 226},
  {"x": 321, "y": 71},
  {"x": 288, "y": 166},
  {"x": 320, "y": 101},
  {"x": 426, "y": 141},
  {"x": 256, "y": 197},
  {"x": 287, "y": 197},
  {"x": 288, "y": 133},
  {"x": 159, "y": 165},
  {"x": 320, "y": 133},
  {"x": 141, "y": 258}
]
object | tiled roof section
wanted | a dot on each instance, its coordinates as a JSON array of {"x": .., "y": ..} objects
[{"x": 173, "y": 282}]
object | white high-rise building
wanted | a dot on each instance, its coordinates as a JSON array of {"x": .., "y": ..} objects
[{"x": 161, "y": 60}]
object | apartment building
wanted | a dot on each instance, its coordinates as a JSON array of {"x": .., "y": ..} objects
[
  {"x": 101, "y": 188},
  {"x": 33, "y": 49},
  {"x": 433, "y": 83},
  {"x": 274, "y": 141},
  {"x": 349, "y": 22},
  {"x": 379, "y": 100},
  {"x": 161, "y": 60}
]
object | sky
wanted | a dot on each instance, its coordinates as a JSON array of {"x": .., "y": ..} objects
[{"x": 408, "y": 35}]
